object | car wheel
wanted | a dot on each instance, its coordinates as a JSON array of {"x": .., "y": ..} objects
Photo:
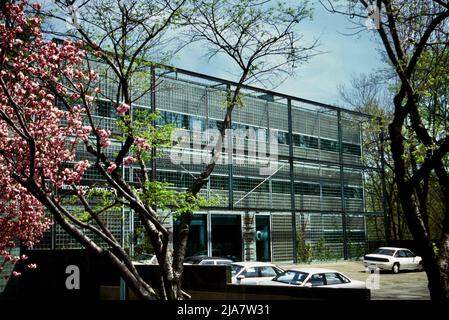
[{"x": 395, "y": 268}]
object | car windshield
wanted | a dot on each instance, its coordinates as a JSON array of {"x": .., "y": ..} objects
[
  {"x": 235, "y": 269},
  {"x": 294, "y": 277},
  {"x": 387, "y": 252}
]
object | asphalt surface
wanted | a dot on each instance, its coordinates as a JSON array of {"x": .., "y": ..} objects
[{"x": 406, "y": 285}]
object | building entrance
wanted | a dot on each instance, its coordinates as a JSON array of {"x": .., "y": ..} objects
[
  {"x": 226, "y": 236},
  {"x": 263, "y": 252}
]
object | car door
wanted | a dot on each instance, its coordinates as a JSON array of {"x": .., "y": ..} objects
[
  {"x": 399, "y": 258},
  {"x": 254, "y": 275},
  {"x": 251, "y": 274},
  {"x": 412, "y": 260},
  {"x": 404, "y": 260},
  {"x": 317, "y": 280},
  {"x": 268, "y": 273}
]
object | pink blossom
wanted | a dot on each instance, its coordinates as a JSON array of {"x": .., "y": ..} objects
[
  {"x": 111, "y": 167},
  {"x": 34, "y": 20},
  {"x": 128, "y": 160},
  {"x": 82, "y": 167},
  {"x": 141, "y": 144},
  {"x": 16, "y": 274},
  {"x": 104, "y": 137},
  {"x": 123, "y": 108},
  {"x": 93, "y": 76},
  {"x": 25, "y": 60},
  {"x": 84, "y": 132},
  {"x": 32, "y": 266},
  {"x": 37, "y": 6}
]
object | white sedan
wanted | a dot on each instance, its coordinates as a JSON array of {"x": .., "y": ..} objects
[
  {"x": 315, "y": 277},
  {"x": 394, "y": 259},
  {"x": 253, "y": 272}
]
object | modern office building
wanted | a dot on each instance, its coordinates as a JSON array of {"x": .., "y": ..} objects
[{"x": 291, "y": 175}]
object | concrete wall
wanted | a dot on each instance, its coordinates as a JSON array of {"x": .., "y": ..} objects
[{"x": 98, "y": 281}]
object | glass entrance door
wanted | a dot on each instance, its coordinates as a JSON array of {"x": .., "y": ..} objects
[
  {"x": 227, "y": 236},
  {"x": 263, "y": 238},
  {"x": 197, "y": 242}
]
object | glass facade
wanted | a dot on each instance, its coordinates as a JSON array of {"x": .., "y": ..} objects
[{"x": 309, "y": 178}]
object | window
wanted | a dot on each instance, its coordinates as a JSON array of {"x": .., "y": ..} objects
[
  {"x": 409, "y": 254},
  {"x": 329, "y": 145},
  {"x": 307, "y": 188},
  {"x": 387, "y": 252},
  {"x": 350, "y": 148},
  {"x": 280, "y": 186},
  {"x": 353, "y": 192},
  {"x": 317, "y": 280},
  {"x": 297, "y": 141},
  {"x": 196, "y": 123},
  {"x": 305, "y": 141},
  {"x": 245, "y": 184},
  {"x": 235, "y": 269},
  {"x": 283, "y": 138},
  {"x": 400, "y": 254},
  {"x": 291, "y": 277},
  {"x": 179, "y": 120},
  {"x": 335, "y": 278},
  {"x": 215, "y": 124},
  {"x": 223, "y": 262},
  {"x": 178, "y": 179},
  {"x": 219, "y": 182},
  {"x": 311, "y": 142},
  {"x": 331, "y": 191},
  {"x": 267, "y": 272},
  {"x": 251, "y": 272},
  {"x": 106, "y": 109}
]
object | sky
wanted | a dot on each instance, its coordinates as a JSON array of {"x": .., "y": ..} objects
[{"x": 343, "y": 57}]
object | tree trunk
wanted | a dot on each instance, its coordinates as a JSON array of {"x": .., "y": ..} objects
[{"x": 436, "y": 268}]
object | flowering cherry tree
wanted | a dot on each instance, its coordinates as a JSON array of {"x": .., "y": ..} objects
[
  {"x": 47, "y": 105},
  {"x": 34, "y": 144}
]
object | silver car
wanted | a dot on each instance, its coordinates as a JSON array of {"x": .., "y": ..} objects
[
  {"x": 253, "y": 272},
  {"x": 315, "y": 277},
  {"x": 394, "y": 259}
]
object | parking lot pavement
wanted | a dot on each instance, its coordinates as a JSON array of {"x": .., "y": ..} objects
[{"x": 406, "y": 285}]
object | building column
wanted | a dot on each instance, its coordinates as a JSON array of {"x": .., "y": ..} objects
[
  {"x": 292, "y": 180},
  {"x": 342, "y": 188},
  {"x": 153, "y": 110},
  {"x": 249, "y": 236}
]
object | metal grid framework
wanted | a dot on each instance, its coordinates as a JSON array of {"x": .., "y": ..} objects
[
  {"x": 7, "y": 270},
  {"x": 317, "y": 183}
]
